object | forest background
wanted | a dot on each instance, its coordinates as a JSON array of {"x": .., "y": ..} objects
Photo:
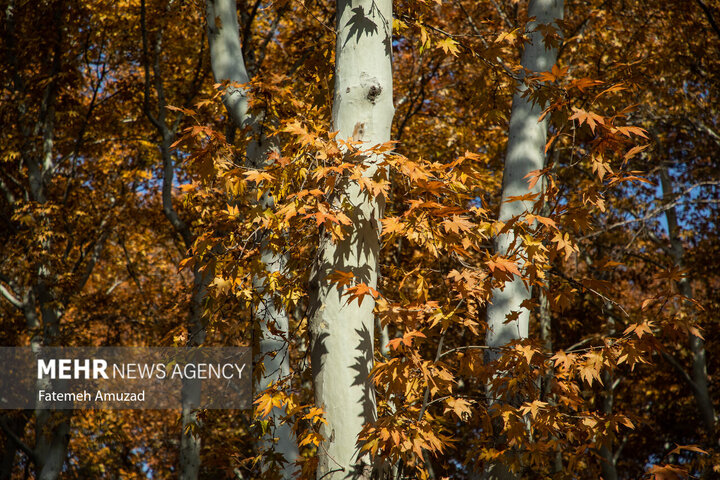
[{"x": 323, "y": 181}]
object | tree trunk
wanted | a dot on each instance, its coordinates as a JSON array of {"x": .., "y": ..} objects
[
  {"x": 525, "y": 153},
  {"x": 342, "y": 332},
  {"x": 13, "y": 427},
  {"x": 608, "y": 464},
  {"x": 228, "y": 65},
  {"x": 53, "y": 434},
  {"x": 52, "y": 429},
  {"x": 226, "y": 56},
  {"x": 274, "y": 355},
  {"x": 190, "y": 440},
  {"x": 697, "y": 345}
]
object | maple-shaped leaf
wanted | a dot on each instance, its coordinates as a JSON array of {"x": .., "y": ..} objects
[
  {"x": 599, "y": 166},
  {"x": 511, "y": 317},
  {"x": 509, "y": 36},
  {"x": 449, "y": 46},
  {"x": 527, "y": 351},
  {"x": 533, "y": 177},
  {"x": 408, "y": 337},
  {"x": 668, "y": 472},
  {"x": 459, "y": 406},
  {"x": 690, "y": 448},
  {"x": 267, "y": 402},
  {"x": 591, "y": 118},
  {"x": 630, "y": 130},
  {"x": 583, "y": 84},
  {"x": 257, "y": 176},
  {"x": 634, "y": 151},
  {"x": 639, "y": 329},
  {"x": 185, "y": 111},
  {"x": 392, "y": 225},
  {"x": 457, "y": 224},
  {"x": 553, "y": 75},
  {"x": 564, "y": 244},
  {"x": 341, "y": 279},
  {"x": 563, "y": 360},
  {"x": 502, "y": 264},
  {"x": 359, "y": 291},
  {"x": 533, "y": 408}
]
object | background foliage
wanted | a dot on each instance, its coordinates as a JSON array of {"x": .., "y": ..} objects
[{"x": 623, "y": 253}]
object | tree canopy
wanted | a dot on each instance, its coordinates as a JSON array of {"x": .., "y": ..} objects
[{"x": 331, "y": 197}]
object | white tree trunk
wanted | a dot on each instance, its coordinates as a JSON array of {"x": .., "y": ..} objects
[
  {"x": 226, "y": 56},
  {"x": 190, "y": 440},
  {"x": 342, "y": 333},
  {"x": 525, "y": 153},
  {"x": 275, "y": 362},
  {"x": 228, "y": 65},
  {"x": 51, "y": 450}
]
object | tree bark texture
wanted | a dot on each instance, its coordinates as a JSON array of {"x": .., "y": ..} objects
[
  {"x": 228, "y": 65},
  {"x": 343, "y": 333},
  {"x": 525, "y": 153}
]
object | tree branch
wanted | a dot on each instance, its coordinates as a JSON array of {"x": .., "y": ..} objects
[
  {"x": 146, "y": 68},
  {"x": 18, "y": 441},
  {"x": 655, "y": 212},
  {"x": 11, "y": 297},
  {"x": 679, "y": 368},
  {"x": 709, "y": 16}
]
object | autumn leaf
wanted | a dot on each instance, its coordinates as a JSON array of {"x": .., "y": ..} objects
[
  {"x": 502, "y": 264},
  {"x": 591, "y": 118},
  {"x": 449, "y": 46}
]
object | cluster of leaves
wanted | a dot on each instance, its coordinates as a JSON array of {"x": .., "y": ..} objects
[{"x": 607, "y": 378}]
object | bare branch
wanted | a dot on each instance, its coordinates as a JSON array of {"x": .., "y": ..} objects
[
  {"x": 654, "y": 213},
  {"x": 9, "y": 196},
  {"x": 260, "y": 57},
  {"x": 11, "y": 297},
  {"x": 709, "y": 16},
  {"x": 18, "y": 441},
  {"x": 679, "y": 368},
  {"x": 94, "y": 257}
]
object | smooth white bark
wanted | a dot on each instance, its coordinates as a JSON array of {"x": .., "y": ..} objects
[
  {"x": 228, "y": 65},
  {"x": 342, "y": 333},
  {"x": 190, "y": 440},
  {"x": 226, "y": 56},
  {"x": 275, "y": 362},
  {"x": 525, "y": 153}
]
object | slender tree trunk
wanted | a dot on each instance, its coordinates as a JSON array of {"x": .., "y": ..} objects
[
  {"x": 51, "y": 445},
  {"x": 608, "y": 464},
  {"x": 608, "y": 460},
  {"x": 228, "y": 65},
  {"x": 342, "y": 332},
  {"x": 52, "y": 429},
  {"x": 275, "y": 360},
  {"x": 525, "y": 153},
  {"x": 226, "y": 56},
  {"x": 190, "y": 440},
  {"x": 697, "y": 345}
]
